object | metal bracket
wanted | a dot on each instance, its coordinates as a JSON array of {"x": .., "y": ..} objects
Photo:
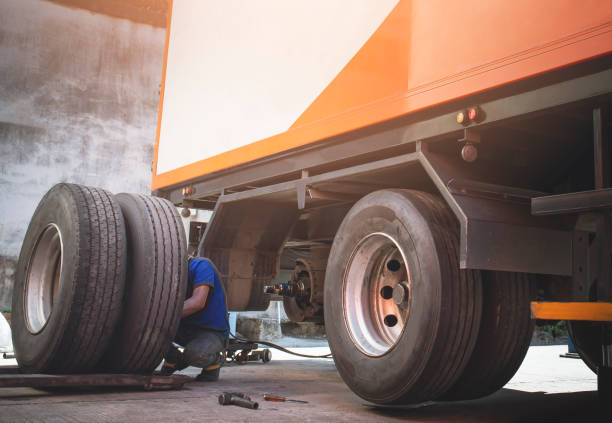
[
  {"x": 301, "y": 195},
  {"x": 479, "y": 189},
  {"x": 592, "y": 258},
  {"x": 470, "y": 136},
  {"x": 581, "y": 274},
  {"x": 499, "y": 235},
  {"x": 333, "y": 196},
  {"x": 574, "y": 202},
  {"x": 607, "y": 346},
  {"x": 198, "y": 204},
  {"x": 601, "y": 147}
]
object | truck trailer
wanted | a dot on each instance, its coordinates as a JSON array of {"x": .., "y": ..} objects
[
  {"x": 439, "y": 165},
  {"x": 437, "y": 173}
]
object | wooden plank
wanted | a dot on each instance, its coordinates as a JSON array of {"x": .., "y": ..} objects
[
  {"x": 597, "y": 312},
  {"x": 5, "y": 370},
  {"x": 47, "y": 380}
]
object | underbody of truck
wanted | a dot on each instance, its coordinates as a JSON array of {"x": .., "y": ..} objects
[{"x": 511, "y": 185}]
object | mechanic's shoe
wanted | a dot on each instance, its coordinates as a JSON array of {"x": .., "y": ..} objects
[
  {"x": 209, "y": 374},
  {"x": 166, "y": 370}
]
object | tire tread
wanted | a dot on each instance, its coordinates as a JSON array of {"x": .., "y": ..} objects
[
  {"x": 98, "y": 284},
  {"x": 463, "y": 300},
  {"x": 499, "y": 350},
  {"x": 166, "y": 283}
]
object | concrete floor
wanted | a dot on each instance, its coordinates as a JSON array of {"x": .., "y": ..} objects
[{"x": 546, "y": 388}]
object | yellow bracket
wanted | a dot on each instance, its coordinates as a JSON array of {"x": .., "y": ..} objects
[{"x": 597, "y": 312}]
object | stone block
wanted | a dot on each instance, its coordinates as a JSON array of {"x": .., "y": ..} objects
[{"x": 257, "y": 328}]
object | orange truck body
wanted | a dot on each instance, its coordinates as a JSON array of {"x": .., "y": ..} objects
[{"x": 422, "y": 54}]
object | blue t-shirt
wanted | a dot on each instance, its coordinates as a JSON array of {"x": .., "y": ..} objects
[{"x": 214, "y": 315}]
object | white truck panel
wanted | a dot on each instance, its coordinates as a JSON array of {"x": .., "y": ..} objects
[{"x": 239, "y": 71}]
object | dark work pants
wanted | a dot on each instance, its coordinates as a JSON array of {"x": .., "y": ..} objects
[{"x": 202, "y": 347}]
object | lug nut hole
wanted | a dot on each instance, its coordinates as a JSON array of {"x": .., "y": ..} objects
[
  {"x": 386, "y": 292},
  {"x": 390, "y": 320},
  {"x": 393, "y": 265}
]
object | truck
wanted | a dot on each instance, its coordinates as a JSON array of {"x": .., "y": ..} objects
[{"x": 436, "y": 173}]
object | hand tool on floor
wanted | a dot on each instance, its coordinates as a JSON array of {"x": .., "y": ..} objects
[
  {"x": 241, "y": 400},
  {"x": 277, "y": 398},
  {"x": 239, "y": 394}
]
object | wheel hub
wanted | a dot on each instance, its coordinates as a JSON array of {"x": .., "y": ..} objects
[
  {"x": 43, "y": 278},
  {"x": 376, "y": 294},
  {"x": 401, "y": 294}
]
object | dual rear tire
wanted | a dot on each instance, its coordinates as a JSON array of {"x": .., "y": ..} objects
[
  {"x": 405, "y": 324},
  {"x": 74, "y": 310}
]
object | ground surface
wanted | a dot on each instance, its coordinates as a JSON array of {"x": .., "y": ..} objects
[{"x": 546, "y": 388}]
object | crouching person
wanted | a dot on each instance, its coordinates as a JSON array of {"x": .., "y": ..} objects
[{"x": 203, "y": 330}]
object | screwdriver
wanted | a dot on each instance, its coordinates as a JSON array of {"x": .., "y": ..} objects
[{"x": 277, "y": 398}]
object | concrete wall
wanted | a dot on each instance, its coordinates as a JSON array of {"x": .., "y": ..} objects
[
  {"x": 78, "y": 103},
  {"x": 152, "y": 12}
]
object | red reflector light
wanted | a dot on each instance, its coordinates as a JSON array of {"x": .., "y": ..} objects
[{"x": 473, "y": 113}]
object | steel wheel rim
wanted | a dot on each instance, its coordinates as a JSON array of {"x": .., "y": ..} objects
[
  {"x": 43, "y": 278},
  {"x": 375, "y": 264}
]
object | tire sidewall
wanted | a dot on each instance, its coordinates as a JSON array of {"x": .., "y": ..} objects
[
  {"x": 387, "y": 377},
  {"x": 35, "y": 351}
]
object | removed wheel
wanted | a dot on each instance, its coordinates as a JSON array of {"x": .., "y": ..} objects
[
  {"x": 155, "y": 284},
  {"x": 69, "y": 281},
  {"x": 401, "y": 317},
  {"x": 503, "y": 340}
]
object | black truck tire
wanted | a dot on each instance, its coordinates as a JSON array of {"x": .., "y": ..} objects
[
  {"x": 505, "y": 334},
  {"x": 410, "y": 343},
  {"x": 155, "y": 284},
  {"x": 587, "y": 341},
  {"x": 69, "y": 281}
]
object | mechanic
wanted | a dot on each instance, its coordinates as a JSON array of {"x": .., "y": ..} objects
[{"x": 204, "y": 329}]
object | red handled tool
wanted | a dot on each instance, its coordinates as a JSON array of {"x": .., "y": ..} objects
[{"x": 276, "y": 398}]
